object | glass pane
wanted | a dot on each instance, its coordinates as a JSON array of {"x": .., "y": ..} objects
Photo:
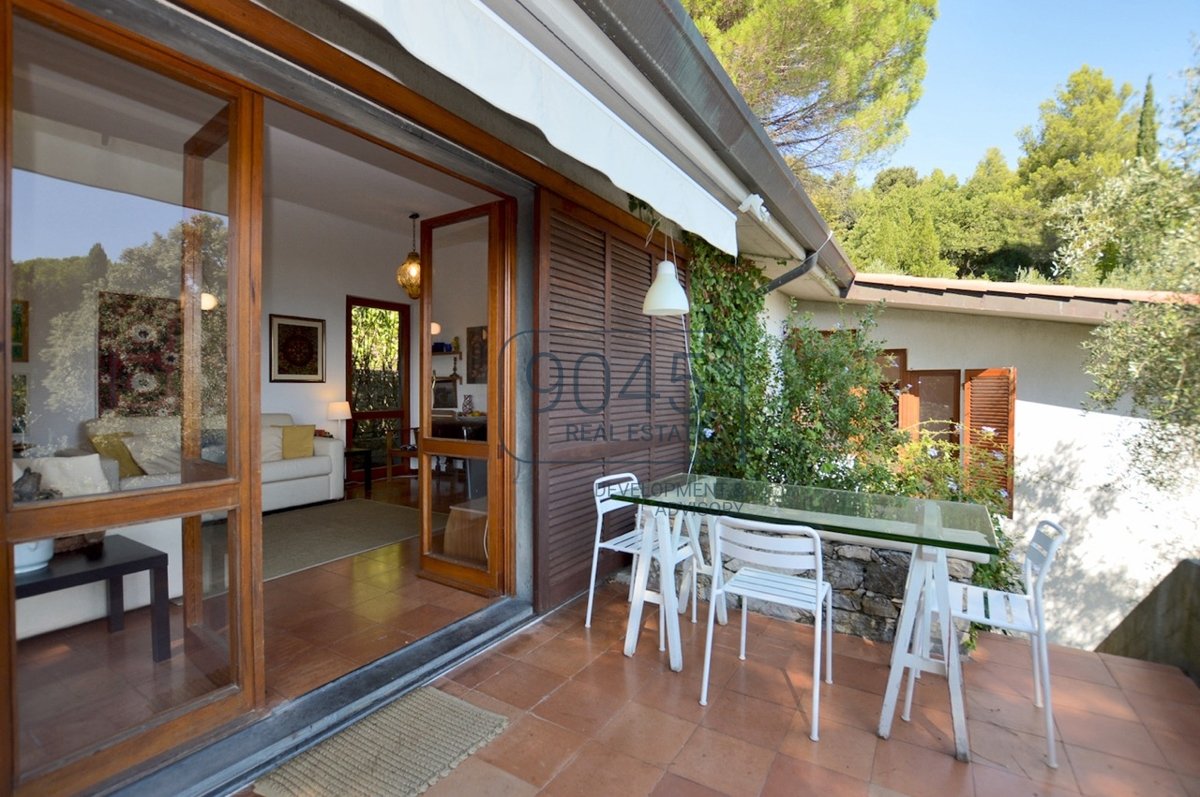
[
  {"x": 939, "y": 404},
  {"x": 375, "y": 359},
  {"x": 460, "y": 510},
  {"x": 120, "y": 271},
  {"x": 459, "y": 327},
  {"x": 84, "y": 675}
]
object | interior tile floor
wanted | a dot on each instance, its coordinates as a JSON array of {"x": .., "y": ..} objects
[
  {"x": 586, "y": 720},
  {"x": 82, "y": 685}
]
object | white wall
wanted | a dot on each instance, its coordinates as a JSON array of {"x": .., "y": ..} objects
[
  {"x": 311, "y": 262},
  {"x": 460, "y": 297},
  {"x": 1070, "y": 464}
]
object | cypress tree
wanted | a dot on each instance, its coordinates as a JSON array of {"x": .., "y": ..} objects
[{"x": 1147, "y": 139}]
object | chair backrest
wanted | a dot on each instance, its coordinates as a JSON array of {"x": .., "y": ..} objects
[
  {"x": 1042, "y": 549},
  {"x": 606, "y": 487},
  {"x": 774, "y": 545}
]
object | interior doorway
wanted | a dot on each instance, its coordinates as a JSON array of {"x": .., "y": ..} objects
[{"x": 379, "y": 380}]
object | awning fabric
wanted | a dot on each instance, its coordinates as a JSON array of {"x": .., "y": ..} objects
[{"x": 468, "y": 43}]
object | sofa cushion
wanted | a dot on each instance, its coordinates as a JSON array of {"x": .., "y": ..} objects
[
  {"x": 112, "y": 445},
  {"x": 272, "y": 443},
  {"x": 298, "y": 441},
  {"x": 69, "y": 475},
  {"x": 155, "y": 455},
  {"x": 295, "y": 468},
  {"x": 149, "y": 480}
]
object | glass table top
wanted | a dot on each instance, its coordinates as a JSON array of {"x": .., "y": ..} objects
[{"x": 887, "y": 518}]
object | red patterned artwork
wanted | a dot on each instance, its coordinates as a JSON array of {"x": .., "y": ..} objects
[{"x": 139, "y": 340}]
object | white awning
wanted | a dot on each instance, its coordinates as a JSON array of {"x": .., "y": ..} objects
[{"x": 468, "y": 43}]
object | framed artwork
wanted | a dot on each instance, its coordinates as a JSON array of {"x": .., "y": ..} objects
[
  {"x": 20, "y": 331},
  {"x": 139, "y": 341},
  {"x": 445, "y": 395},
  {"x": 297, "y": 349},
  {"x": 477, "y": 349}
]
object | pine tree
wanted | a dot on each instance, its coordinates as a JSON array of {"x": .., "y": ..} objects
[{"x": 1147, "y": 139}]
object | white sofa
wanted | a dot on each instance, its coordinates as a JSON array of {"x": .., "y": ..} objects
[{"x": 286, "y": 483}]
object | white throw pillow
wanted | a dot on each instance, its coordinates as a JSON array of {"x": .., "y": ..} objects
[
  {"x": 69, "y": 475},
  {"x": 17, "y": 472},
  {"x": 272, "y": 443},
  {"x": 153, "y": 454}
]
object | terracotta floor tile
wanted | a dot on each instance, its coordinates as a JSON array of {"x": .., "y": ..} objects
[
  {"x": 616, "y": 673},
  {"x": 862, "y": 648},
  {"x": 1077, "y": 695},
  {"x": 1166, "y": 714},
  {"x": 601, "y": 770},
  {"x": 481, "y": 779},
  {"x": 373, "y": 642},
  {"x": 532, "y": 749},
  {"x": 722, "y": 762},
  {"x": 488, "y": 702},
  {"x": 758, "y": 722},
  {"x": 1181, "y": 752},
  {"x": 1166, "y": 682},
  {"x": 767, "y": 682},
  {"x": 1021, "y": 754},
  {"x": 582, "y": 707},
  {"x": 787, "y": 773},
  {"x": 1009, "y": 711},
  {"x": 1089, "y": 668},
  {"x": 930, "y": 728},
  {"x": 479, "y": 669},
  {"x": 1103, "y": 775},
  {"x": 920, "y": 772},
  {"x": 646, "y": 733},
  {"x": 307, "y": 670},
  {"x": 992, "y": 782},
  {"x": 526, "y": 640},
  {"x": 842, "y": 748},
  {"x": 672, "y": 785},
  {"x": 521, "y": 685},
  {"x": 565, "y": 655},
  {"x": 423, "y": 620},
  {"x": 1191, "y": 785},
  {"x": 852, "y": 706},
  {"x": 868, "y": 676},
  {"x": 1107, "y": 735}
]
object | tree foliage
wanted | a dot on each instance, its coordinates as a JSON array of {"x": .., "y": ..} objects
[
  {"x": 1083, "y": 136},
  {"x": 1147, "y": 136},
  {"x": 831, "y": 80}
]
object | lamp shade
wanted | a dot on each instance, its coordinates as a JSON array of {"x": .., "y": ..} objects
[
  {"x": 339, "y": 411},
  {"x": 666, "y": 296}
]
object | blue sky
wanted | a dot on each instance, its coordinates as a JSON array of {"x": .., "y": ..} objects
[{"x": 990, "y": 63}]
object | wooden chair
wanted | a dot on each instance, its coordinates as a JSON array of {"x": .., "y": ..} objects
[
  {"x": 400, "y": 444},
  {"x": 785, "y": 551}
]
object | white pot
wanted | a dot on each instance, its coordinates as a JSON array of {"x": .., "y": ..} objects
[{"x": 30, "y": 556}]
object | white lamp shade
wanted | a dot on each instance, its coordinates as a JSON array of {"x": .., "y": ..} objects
[
  {"x": 666, "y": 296},
  {"x": 339, "y": 411},
  {"x": 435, "y": 328}
]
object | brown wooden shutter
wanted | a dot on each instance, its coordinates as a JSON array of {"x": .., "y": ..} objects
[
  {"x": 989, "y": 396},
  {"x": 592, "y": 279}
]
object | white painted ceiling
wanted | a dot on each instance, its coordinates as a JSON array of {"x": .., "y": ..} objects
[{"x": 315, "y": 164}]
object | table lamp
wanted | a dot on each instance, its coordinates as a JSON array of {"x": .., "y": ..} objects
[{"x": 339, "y": 411}]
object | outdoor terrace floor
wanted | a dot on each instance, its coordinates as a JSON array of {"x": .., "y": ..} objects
[{"x": 586, "y": 720}]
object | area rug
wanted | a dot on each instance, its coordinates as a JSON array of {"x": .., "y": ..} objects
[
  {"x": 402, "y": 749},
  {"x": 302, "y": 538}
]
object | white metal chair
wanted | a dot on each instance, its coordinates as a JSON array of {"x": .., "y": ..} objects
[
  {"x": 787, "y": 550},
  {"x": 603, "y": 490},
  {"x": 1021, "y": 612}
]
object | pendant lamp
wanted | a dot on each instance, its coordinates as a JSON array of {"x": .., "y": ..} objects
[
  {"x": 408, "y": 275},
  {"x": 666, "y": 296}
]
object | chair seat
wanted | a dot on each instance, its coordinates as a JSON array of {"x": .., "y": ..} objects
[
  {"x": 1007, "y": 610},
  {"x": 796, "y": 591},
  {"x": 631, "y": 542}
]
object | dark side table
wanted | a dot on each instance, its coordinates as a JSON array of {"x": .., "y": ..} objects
[
  {"x": 120, "y": 557},
  {"x": 365, "y": 455}
]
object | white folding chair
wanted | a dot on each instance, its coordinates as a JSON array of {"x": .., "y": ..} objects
[
  {"x": 787, "y": 550},
  {"x": 1021, "y": 612},
  {"x": 604, "y": 489}
]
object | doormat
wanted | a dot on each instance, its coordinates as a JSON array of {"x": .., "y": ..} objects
[{"x": 401, "y": 749}]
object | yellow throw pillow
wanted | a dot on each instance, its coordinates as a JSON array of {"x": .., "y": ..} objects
[
  {"x": 298, "y": 441},
  {"x": 113, "y": 446}
]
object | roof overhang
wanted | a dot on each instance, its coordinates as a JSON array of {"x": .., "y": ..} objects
[
  {"x": 563, "y": 70},
  {"x": 1065, "y": 303}
]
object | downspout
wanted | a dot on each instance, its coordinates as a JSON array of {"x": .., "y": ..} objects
[{"x": 753, "y": 206}]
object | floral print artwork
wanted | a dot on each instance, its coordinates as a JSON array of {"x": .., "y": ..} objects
[{"x": 140, "y": 342}]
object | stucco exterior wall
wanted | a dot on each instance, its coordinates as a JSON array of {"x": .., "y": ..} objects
[{"x": 1071, "y": 464}]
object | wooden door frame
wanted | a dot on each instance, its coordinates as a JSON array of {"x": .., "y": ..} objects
[
  {"x": 237, "y": 492},
  {"x": 501, "y": 256},
  {"x": 405, "y": 311}
]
